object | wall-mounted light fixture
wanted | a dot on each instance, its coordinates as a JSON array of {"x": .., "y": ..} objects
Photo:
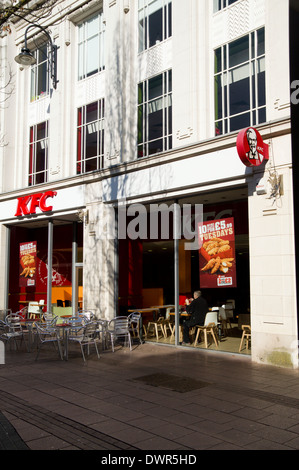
[{"x": 27, "y": 58}]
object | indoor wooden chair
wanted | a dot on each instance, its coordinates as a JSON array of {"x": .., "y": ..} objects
[
  {"x": 210, "y": 327},
  {"x": 246, "y": 336},
  {"x": 158, "y": 326}
]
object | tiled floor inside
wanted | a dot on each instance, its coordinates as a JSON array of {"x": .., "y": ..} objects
[{"x": 229, "y": 342}]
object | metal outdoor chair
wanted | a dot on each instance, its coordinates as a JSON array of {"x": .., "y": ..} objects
[
  {"x": 77, "y": 324},
  {"x": 101, "y": 331},
  {"x": 134, "y": 325},
  {"x": 86, "y": 338},
  {"x": 4, "y": 312},
  {"x": 49, "y": 319},
  {"x": 87, "y": 315},
  {"x": 5, "y": 334},
  {"x": 13, "y": 321},
  {"x": 118, "y": 327},
  {"x": 48, "y": 335}
]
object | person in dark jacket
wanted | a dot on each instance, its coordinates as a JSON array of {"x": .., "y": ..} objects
[{"x": 197, "y": 309}]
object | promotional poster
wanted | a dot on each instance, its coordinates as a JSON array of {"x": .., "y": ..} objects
[
  {"x": 27, "y": 264},
  {"x": 217, "y": 262}
]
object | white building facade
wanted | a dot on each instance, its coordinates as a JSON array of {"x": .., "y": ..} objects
[{"x": 150, "y": 100}]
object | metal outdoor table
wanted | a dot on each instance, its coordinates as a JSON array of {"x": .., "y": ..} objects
[
  {"x": 65, "y": 327},
  {"x": 29, "y": 324}
]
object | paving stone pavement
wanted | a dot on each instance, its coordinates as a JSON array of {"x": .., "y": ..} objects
[{"x": 154, "y": 398}]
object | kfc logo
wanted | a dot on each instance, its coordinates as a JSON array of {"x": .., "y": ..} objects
[
  {"x": 251, "y": 148},
  {"x": 27, "y": 205}
]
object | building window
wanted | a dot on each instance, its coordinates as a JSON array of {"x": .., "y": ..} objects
[
  {"x": 240, "y": 83},
  {"x": 154, "y": 22},
  {"x": 38, "y": 154},
  {"x": 90, "y": 137},
  {"x": 40, "y": 73},
  {"x": 155, "y": 115},
  {"x": 220, "y": 4},
  {"x": 91, "y": 37}
]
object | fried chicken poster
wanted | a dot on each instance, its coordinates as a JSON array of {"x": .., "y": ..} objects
[
  {"x": 217, "y": 261},
  {"x": 27, "y": 268}
]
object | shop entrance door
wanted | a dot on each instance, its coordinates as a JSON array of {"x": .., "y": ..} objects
[{"x": 78, "y": 301}]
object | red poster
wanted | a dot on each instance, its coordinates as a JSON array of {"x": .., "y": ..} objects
[
  {"x": 27, "y": 264},
  {"x": 217, "y": 262}
]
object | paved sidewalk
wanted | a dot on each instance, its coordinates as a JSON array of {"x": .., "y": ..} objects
[{"x": 153, "y": 398}]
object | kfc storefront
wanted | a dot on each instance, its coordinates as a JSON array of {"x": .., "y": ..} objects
[
  {"x": 240, "y": 258},
  {"x": 44, "y": 234}
]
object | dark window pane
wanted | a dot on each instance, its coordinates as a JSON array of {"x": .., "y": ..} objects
[
  {"x": 218, "y": 64},
  {"x": 261, "y": 41},
  {"x": 262, "y": 115},
  {"x": 170, "y": 120},
  {"x": 91, "y": 142},
  {"x": 155, "y": 27},
  {"x": 239, "y": 122},
  {"x": 239, "y": 51},
  {"x": 170, "y": 81},
  {"x": 42, "y": 54},
  {"x": 40, "y": 158},
  {"x": 218, "y": 128},
  {"x": 155, "y": 125},
  {"x": 140, "y": 93},
  {"x": 253, "y": 118},
  {"x": 140, "y": 151},
  {"x": 252, "y": 45},
  {"x": 253, "y": 86},
  {"x": 40, "y": 178},
  {"x": 91, "y": 164},
  {"x": 170, "y": 19},
  {"x": 92, "y": 112},
  {"x": 239, "y": 98},
  {"x": 155, "y": 147},
  {"x": 261, "y": 88},
  {"x": 218, "y": 97},
  {"x": 42, "y": 79},
  {"x": 41, "y": 131},
  {"x": 155, "y": 87},
  {"x": 140, "y": 124}
]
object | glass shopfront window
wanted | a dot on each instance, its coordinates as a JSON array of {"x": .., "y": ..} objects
[
  {"x": 149, "y": 266},
  {"x": 27, "y": 286}
]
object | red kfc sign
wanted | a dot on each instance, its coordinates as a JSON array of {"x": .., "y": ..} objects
[
  {"x": 27, "y": 205},
  {"x": 251, "y": 148}
]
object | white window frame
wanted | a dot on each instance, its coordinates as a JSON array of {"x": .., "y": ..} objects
[
  {"x": 83, "y": 128},
  {"x": 40, "y": 72},
  {"x": 91, "y": 46},
  {"x": 34, "y": 142},
  {"x": 145, "y": 9},
  {"x": 147, "y": 106},
  {"x": 221, "y": 5},
  {"x": 228, "y": 75}
]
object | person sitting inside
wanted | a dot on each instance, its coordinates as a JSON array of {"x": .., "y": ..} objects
[{"x": 197, "y": 309}]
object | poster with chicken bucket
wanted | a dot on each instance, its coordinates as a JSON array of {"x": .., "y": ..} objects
[
  {"x": 27, "y": 264},
  {"x": 217, "y": 262}
]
